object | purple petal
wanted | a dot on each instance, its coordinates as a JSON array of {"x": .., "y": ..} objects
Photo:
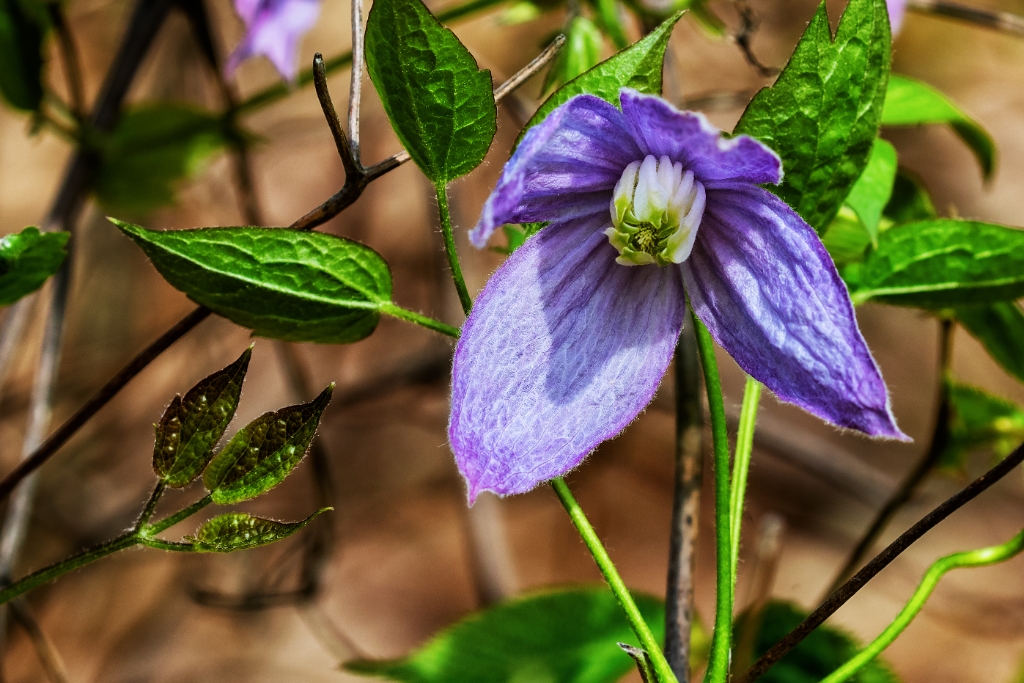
[
  {"x": 565, "y": 168},
  {"x": 273, "y": 28},
  {"x": 661, "y": 129},
  {"x": 762, "y": 282},
  {"x": 564, "y": 347},
  {"x": 897, "y": 10}
]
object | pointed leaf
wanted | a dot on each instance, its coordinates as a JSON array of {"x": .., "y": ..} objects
[
  {"x": 822, "y": 114},
  {"x": 240, "y": 531},
  {"x": 192, "y": 426},
  {"x": 283, "y": 284},
  {"x": 872, "y": 191},
  {"x": 27, "y": 259},
  {"x": 264, "y": 452},
  {"x": 910, "y": 200},
  {"x": 21, "y": 54},
  {"x": 980, "y": 420},
  {"x": 943, "y": 263},
  {"x": 1000, "y": 329},
  {"x": 565, "y": 636},
  {"x": 639, "y": 66},
  {"x": 910, "y": 103},
  {"x": 439, "y": 102}
]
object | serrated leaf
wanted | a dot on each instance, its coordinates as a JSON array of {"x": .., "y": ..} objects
[
  {"x": 192, "y": 426},
  {"x": 1000, "y": 329},
  {"x": 817, "y": 655},
  {"x": 261, "y": 454},
  {"x": 27, "y": 259},
  {"x": 438, "y": 100},
  {"x": 240, "y": 531},
  {"x": 822, "y": 114},
  {"x": 980, "y": 420},
  {"x": 581, "y": 52},
  {"x": 563, "y": 636},
  {"x": 283, "y": 284},
  {"x": 943, "y": 263},
  {"x": 909, "y": 102},
  {"x": 870, "y": 194},
  {"x": 21, "y": 54},
  {"x": 151, "y": 150},
  {"x": 639, "y": 67},
  {"x": 909, "y": 201}
]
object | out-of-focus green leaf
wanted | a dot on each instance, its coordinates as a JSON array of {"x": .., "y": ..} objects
[
  {"x": 872, "y": 191},
  {"x": 909, "y": 201},
  {"x": 817, "y": 655},
  {"x": 581, "y": 52},
  {"x": 910, "y": 103},
  {"x": 1000, "y": 329},
  {"x": 520, "y": 13},
  {"x": 979, "y": 421},
  {"x": 639, "y": 67},
  {"x": 261, "y": 454},
  {"x": 846, "y": 238},
  {"x": 822, "y": 114},
  {"x": 151, "y": 150},
  {"x": 439, "y": 102},
  {"x": 943, "y": 263},
  {"x": 563, "y": 636},
  {"x": 27, "y": 259},
  {"x": 609, "y": 14},
  {"x": 283, "y": 284},
  {"x": 516, "y": 235},
  {"x": 240, "y": 531},
  {"x": 192, "y": 426},
  {"x": 22, "y": 31}
]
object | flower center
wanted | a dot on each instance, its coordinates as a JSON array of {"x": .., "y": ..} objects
[{"x": 656, "y": 210}]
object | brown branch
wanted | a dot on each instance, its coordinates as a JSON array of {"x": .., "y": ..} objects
[
  {"x": 997, "y": 21},
  {"x": 748, "y": 27},
  {"x": 880, "y": 562}
]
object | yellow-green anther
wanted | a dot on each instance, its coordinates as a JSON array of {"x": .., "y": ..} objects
[{"x": 656, "y": 209}]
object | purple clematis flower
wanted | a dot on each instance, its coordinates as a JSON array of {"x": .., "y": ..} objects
[
  {"x": 273, "y": 28},
  {"x": 897, "y": 10},
  {"x": 570, "y": 338}
]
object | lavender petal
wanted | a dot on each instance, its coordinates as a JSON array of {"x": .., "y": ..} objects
[
  {"x": 564, "y": 347},
  {"x": 565, "y": 168},
  {"x": 661, "y": 129},
  {"x": 762, "y": 282},
  {"x": 273, "y": 28}
]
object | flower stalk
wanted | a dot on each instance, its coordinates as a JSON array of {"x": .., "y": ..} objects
[
  {"x": 741, "y": 465},
  {"x": 449, "y": 249}
]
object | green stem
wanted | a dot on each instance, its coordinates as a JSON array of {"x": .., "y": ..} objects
[
  {"x": 47, "y": 574},
  {"x": 397, "y": 311},
  {"x": 721, "y": 642},
  {"x": 151, "y": 530},
  {"x": 741, "y": 465},
  {"x": 282, "y": 90},
  {"x": 615, "y": 582},
  {"x": 147, "y": 512},
  {"x": 449, "y": 247},
  {"x": 970, "y": 558}
]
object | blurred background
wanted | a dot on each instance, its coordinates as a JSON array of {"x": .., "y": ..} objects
[{"x": 395, "y": 562}]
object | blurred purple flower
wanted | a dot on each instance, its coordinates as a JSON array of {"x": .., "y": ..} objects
[
  {"x": 273, "y": 28},
  {"x": 897, "y": 10},
  {"x": 570, "y": 338}
]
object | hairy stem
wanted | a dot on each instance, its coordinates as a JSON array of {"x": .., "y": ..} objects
[
  {"x": 397, "y": 311},
  {"x": 841, "y": 596},
  {"x": 685, "y": 504},
  {"x": 721, "y": 642},
  {"x": 449, "y": 248},
  {"x": 970, "y": 558},
  {"x": 661, "y": 668}
]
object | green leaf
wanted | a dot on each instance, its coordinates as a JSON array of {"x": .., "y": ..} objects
[
  {"x": 639, "y": 67},
  {"x": 439, "y": 102},
  {"x": 27, "y": 259},
  {"x": 21, "y": 54},
  {"x": 564, "y": 636},
  {"x": 192, "y": 426},
  {"x": 516, "y": 235},
  {"x": 943, "y": 263},
  {"x": 817, "y": 655},
  {"x": 609, "y": 14},
  {"x": 581, "y": 52},
  {"x": 822, "y": 114},
  {"x": 239, "y": 531},
  {"x": 283, "y": 284},
  {"x": 152, "y": 149},
  {"x": 980, "y": 421},
  {"x": 872, "y": 191},
  {"x": 846, "y": 239},
  {"x": 1000, "y": 329},
  {"x": 910, "y": 200},
  {"x": 261, "y": 454},
  {"x": 910, "y": 103}
]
